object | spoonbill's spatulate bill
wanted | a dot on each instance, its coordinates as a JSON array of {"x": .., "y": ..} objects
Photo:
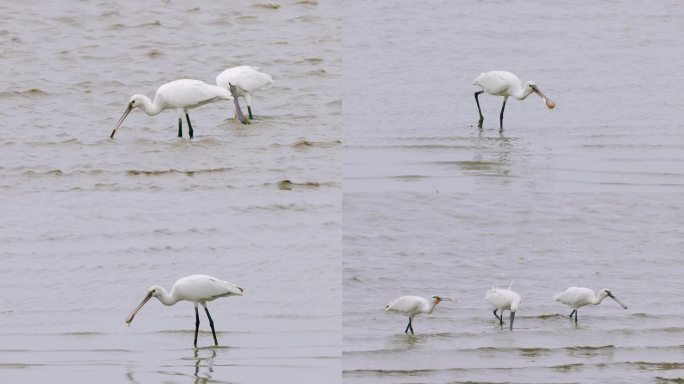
[
  {"x": 502, "y": 83},
  {"x": 197, "y": 289},
  {"x": 503, "y": 299},
  {"x": 413, "y": 306},
  {"x": 238, "y": 111},
  {"x": 247, "y": 79},
  {"x": 181, "y": 95},
  {"x": 576, "y": 297}
]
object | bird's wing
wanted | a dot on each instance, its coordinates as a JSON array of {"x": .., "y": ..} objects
[
  {"x": 223, "y": 287},
  {"x": 187, "y": 92},
  {"x": 496, "y": 298},
  {"x": 204, "y": 288},
  {"x": 491, "y": 82},
  {"x": 245, "y": 77},
  {"x": 405, "y": 304},
  {"x": 573, "y": 295},
  {"x": 254, "y": 80}
]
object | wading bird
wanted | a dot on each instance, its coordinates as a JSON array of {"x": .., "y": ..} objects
[
  {"x": 413, "y": 306},
  {"x": 197, "y": 289},
  {"x": 247, "y": 79},
  {"x": 502, "y": 83},
  {"x": 503, "y": 299},
  {"x": 576, "y": 297},
  {"x": 181, "y": 95}
]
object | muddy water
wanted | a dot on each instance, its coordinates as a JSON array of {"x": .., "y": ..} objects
[{"x": 89, "y": 223}]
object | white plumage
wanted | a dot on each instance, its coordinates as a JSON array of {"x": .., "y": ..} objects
[
  {"x": 197, "y": 289},
  {"x": 576, "y": 297},
  {"x": 202, "y": 288},
  {"x": 181, "y": 95},
  {"x": 500, "y": 83},
  {"x": 247, "y": 79},
  {"x": 503, "y": 83},
  {"x": 503, "y": 299},
  {"x": 413, "y": 306}
]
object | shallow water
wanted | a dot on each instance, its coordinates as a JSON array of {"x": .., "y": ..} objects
[
  {"x": 587, "y": 194},
  {"x": 90, "y": 223}
]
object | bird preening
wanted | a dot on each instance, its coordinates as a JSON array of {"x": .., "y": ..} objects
[
  {"x": 197, "y": 289},
  {"x": 577, "y": 297},
  {"x": 506, "y": 84},
  {"x": 413, "y": 306}
]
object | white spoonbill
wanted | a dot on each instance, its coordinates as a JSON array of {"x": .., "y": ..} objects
[
  {"x": 502, "y": 83},
  {"x": 180, "y": 95},
  {"x": 576, "y": 297},
  {"x": 197, "y": 289},
  {"x": 247, "y": 79},
  {"x": 415, "y": 305},
  {"x": 503, "y": 299}
]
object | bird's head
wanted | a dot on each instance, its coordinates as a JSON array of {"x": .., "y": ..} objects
[
  {"x": 550, "y": 104},
  {"x": 136, "y": 101},
  {"x": 515, "y": 304},
  {"x": 154, "y": 291},
  {"x": 605, "y": 292},
  {"x": 438, "y": 299}
]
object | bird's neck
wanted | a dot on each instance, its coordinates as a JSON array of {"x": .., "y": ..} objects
[
  {"x": 151, "y": 108},
  {"x": 431, "y": 307},
  {"x": 166, "y": 298},
  {"x": 522, "y": 93},
  {"x": 598, "y": 299}
]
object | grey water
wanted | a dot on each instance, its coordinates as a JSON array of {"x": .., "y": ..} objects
[
  {"x": 588, "y": 194},
  {"x": 401, "y": 193},
  {"x": 89, "y": 223}
]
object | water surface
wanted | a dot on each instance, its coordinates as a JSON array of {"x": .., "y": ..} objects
[
  {"x": 90, "y": 223},
  {"x": 587, "y": 194}
]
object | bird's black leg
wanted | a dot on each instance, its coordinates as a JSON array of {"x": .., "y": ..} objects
[
  {"x": 495, "y": 315},
  {"x": 572, "y": 313},
  {"x": 501, "y": 319},
  {"x": 411, "y": 325},
  {"x": 196, "y": 324},
  {"x": 180, "y": 127},
  {"x": 408, "y": 326},
  {"x": 502, "y": 113},
  {"x": 211, "y": 324},
  {"x": 575, "y": 317},
  {"x": 189, "y": 127},
  {"x": 479, "y": 123},
  {"x": 249, "y": 109}
]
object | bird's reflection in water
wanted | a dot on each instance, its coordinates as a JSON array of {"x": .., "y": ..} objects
[
  {"x": 498, "y": 149},
  {"x": 204, "y": 364},
  {"x": 408, "y": 341},
  {"x": 504, "y": 153},
  {"x": 130, "y": 375}
]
